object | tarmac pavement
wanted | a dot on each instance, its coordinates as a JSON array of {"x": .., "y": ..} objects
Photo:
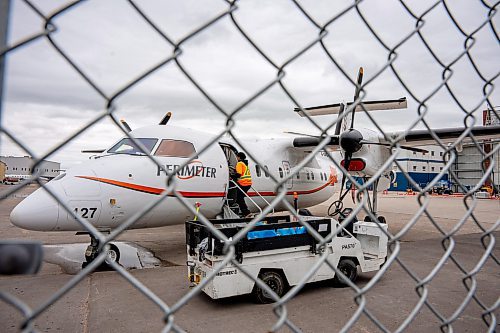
[{"x": 105, "y": 302}]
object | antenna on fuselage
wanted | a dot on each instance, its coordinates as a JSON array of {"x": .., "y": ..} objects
[
  {"x": 165, "y": 119},
  {"x": 125, "y": 125}
]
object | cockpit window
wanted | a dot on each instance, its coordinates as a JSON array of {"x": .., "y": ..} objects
[
  {"x": 175, "y": 148},
  {"x": 126, "y": 146}
]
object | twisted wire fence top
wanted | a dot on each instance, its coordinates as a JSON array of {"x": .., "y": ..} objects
[{"x": 239, "y": 68}]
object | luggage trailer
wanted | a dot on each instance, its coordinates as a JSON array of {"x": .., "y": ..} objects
[{"x": 280, "y": 252}]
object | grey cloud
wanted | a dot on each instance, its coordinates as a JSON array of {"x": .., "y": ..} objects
[{"x": 113, "y": 45}]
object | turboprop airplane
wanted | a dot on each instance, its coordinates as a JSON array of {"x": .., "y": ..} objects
[{"x": 120, "y": 181}]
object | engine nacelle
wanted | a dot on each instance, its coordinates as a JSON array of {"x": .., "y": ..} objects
[{"x": 368, "y": 160}]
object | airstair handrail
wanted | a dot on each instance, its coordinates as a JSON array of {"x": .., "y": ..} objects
[
  {"x": 267, "y": 202},
  {"x": 260, "y": 209}
]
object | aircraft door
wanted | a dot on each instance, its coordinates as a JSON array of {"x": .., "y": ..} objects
[
  {"x": 287, "y": 170},
  {"x": 230, "y": 153}
]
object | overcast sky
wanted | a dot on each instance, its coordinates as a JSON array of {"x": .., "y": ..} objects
[{"x": 46, "y": 100}]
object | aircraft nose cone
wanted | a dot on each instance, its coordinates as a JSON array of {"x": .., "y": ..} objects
[{"x": 39, "y": 211}]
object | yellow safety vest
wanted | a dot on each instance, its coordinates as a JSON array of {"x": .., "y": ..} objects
[{"x": 244, "y": 171}]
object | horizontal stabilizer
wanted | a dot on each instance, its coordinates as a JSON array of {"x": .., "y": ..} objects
[{"x": 368, "y": 105}]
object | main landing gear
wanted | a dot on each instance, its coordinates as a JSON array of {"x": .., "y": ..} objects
[
  {"x": 93, "y": 251},
  {"x": 337, "y": 208}
]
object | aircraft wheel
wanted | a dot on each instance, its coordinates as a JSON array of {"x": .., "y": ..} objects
[
  {"x": 275, "y": 281},
  {"x": 349, "y": 269},
  {"x": 113, "y": 254}
]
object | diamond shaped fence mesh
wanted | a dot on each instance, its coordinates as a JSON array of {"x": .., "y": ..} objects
[{"x": 222, "y": 64}]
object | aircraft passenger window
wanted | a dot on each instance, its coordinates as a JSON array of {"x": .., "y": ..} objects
[
  {"x": 126, "y": 146},
  {"x": 266, "y": 171},
  {"x": 175, "y": 148},
  {"x": 281, "y": 172},
  {"x": 257, "y": 170}
]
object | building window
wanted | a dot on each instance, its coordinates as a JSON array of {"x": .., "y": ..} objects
[
  {"x": 414, "y": 168},
  {"x": 441, "y": 169},
  {"x": 432, "y": 168},
  {"x": 298, "y": 175},
  {"x": 440, "y": 153},
  {"x": 281, "y": 172},
  {"x": 432, "y": 152},
  {"x": 308, "y": 177},
  {"x": 312, "y": 175},
  {"x": 414, "y": 153},
  {"x": 423, "y": 168}
]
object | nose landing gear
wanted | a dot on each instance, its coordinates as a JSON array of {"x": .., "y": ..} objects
[{"x": 93, "y": 251}]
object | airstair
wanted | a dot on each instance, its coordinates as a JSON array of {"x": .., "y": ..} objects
[{"x": 231, "y": 209}]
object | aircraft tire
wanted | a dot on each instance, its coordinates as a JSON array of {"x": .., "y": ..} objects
[
  {"x": 275, "y": 281},
  {"x": 113, "y": 254},
  {"x": 349, "y": 269}
]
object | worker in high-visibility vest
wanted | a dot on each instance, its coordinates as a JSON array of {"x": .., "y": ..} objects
[{"x": 244, "y": 182}]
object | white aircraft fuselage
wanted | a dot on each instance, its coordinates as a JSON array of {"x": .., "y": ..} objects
[{"x": 116, "y": 184}]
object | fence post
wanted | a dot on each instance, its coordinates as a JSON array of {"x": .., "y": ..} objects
[{"x": 4, "y": 25}]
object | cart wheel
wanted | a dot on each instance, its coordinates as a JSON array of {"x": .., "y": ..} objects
[
  {"x": 274, "y": 281},
  {"x": 349, "y": 269},
  {"x": 113, "y": 254},
  {"x": 305, "y": 212}
]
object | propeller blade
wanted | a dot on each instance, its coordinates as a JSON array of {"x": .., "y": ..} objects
[
  {"x": 347, "y": 162},
  {"x": 418, "y": 150},
  {"x": 165, "y": 119},
  {"x": 356, "y": 92},
  {"x": 125, "y": 125},
  {"x": 339, "y": 123}
]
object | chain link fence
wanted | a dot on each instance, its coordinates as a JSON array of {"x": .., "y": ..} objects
[{"x": 414, "y": 33}]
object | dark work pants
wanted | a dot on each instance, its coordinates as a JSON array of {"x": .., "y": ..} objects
[{"x": 240, "y": 199}]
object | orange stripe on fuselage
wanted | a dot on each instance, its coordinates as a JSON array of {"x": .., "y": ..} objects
[
  {"x": 153, "y": 190},
  {"x": 158, "y": 191},
  {"x": 266, "y": 194}
]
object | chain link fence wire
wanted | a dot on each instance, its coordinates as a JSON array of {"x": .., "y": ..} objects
[{"x": 394, "y": 51}]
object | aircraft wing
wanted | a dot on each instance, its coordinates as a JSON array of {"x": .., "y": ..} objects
[{"x": 447, "y": 135}]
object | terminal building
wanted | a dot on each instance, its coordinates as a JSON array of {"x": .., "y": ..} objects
[
  {"x": 421, "y": 167},
  {"x": 468, "y": 168},
  {"x": 19, "y": 166}
]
